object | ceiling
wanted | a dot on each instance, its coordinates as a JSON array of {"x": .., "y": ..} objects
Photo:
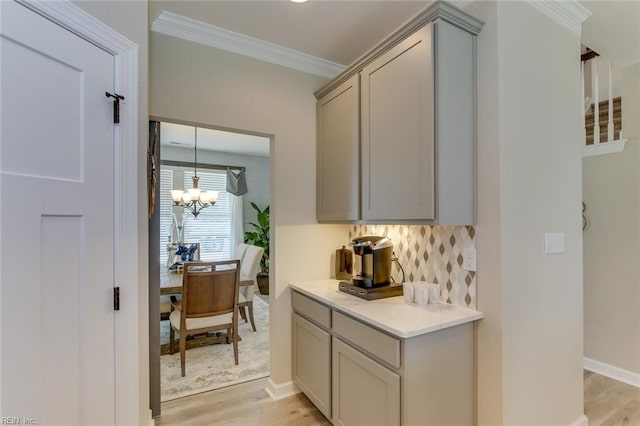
[
  {"x": 613, "y": 30},
  {"x": 182, "y": 136},
  {"x": 340, "y": 31}
]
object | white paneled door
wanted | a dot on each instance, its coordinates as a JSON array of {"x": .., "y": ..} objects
[{"x": 57, "y": 223}]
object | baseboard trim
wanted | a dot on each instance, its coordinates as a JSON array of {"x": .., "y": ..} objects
[
  {"x": 613, "y": 372},
  {"x": 152, "y": 421},
  {"x": 282, "y": 390},
  {"x": 581, "y": 421}
]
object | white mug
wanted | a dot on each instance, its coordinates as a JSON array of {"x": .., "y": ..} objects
[
  {"x": 422, "y": 294},
  {"x": 434, "y": 293},
  {"x": 408, "y": 290}
]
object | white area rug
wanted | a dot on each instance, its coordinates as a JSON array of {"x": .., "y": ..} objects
[{"x": 212, "y": 367}]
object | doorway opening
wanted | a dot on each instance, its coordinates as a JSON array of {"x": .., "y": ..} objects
[{"x": 236, "y": 166}]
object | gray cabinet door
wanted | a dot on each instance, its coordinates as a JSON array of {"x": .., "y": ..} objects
[
  {"x": 364, "y": 392},
  {"x": 338, "y": 145},
  {"x": 311, "y": 355},
  {"x": 397, "y": 107}
]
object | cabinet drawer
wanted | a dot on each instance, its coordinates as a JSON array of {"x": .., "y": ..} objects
[
  {"x": 383, "y": 346},
  {"x": 311, "y": 309}
]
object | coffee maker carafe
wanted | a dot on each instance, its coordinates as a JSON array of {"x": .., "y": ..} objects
[{"x": 373, "y": 259}]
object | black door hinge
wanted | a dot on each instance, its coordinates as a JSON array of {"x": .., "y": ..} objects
[
  {"x": 116, "y": 105},
  {"x": 116, "y": 298}
]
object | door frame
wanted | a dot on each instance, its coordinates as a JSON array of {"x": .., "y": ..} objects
[{"x": 128, "y": 387}]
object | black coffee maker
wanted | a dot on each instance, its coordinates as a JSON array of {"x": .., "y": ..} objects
[{"x": 373, "y": 259}]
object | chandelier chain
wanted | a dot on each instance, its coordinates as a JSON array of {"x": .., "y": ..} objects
[
  {"x": 195, "y": 146},
  {"x": 196, "y": 200}
]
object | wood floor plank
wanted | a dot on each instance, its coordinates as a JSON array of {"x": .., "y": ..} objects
[
  {"x": 240, "y": 405},
  {"x": 607, "y": 402},
  {"x": 628, "y": 414}
]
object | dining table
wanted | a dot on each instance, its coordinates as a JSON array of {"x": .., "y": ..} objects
[{"x": 171, "y": 282}]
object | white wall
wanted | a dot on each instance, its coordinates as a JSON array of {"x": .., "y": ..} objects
[
  {"x": 130, "y": 18},
  {"x": 195, "y": 83},
  {"x": 529, "y": 183},
  {"x": 256, "y": 172},
  {"x": 611, "y": 191}
]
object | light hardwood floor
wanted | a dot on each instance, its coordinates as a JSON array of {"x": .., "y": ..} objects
[
  {"x": 240, "y": 405},
  {"x": 606, "y": 403}
]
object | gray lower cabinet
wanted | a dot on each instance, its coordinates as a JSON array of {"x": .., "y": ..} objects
[
  {"x": 356, "y": 374},
  {"x": 312, "y": 363},
  {"x": 364, "y": 392}
]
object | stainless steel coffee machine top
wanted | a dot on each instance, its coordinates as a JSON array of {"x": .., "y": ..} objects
[{"x": 373, "y": 258}]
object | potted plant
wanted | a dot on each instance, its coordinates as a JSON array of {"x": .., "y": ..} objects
[{"x": 259, "y": 236}]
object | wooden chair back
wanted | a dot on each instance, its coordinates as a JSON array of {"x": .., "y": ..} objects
[{"x": 210, "y": 288}]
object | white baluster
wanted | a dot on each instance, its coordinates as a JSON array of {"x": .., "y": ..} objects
[
  {"x": 596, "y": 106},
  {"x": 610, "y": 128},
  {"x": 582, "y": 90}
]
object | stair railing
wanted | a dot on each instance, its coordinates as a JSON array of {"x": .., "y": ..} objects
[{"x": 613, "y": 144}]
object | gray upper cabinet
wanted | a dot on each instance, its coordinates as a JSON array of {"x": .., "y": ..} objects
[
  {"x": 416, "y": 161},
  {"x": 338, "y": 166},
  {"x": 397, "y": 132}
]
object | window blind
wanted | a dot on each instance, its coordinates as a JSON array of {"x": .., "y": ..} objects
[{"x": 212, "y": 227}]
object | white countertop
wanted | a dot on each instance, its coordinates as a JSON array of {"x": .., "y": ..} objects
[{"x": 391, "y": 314}]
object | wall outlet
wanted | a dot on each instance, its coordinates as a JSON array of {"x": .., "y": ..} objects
[
  {"x": 554, "y": 243},
  {"x": 469, "y": 259}
]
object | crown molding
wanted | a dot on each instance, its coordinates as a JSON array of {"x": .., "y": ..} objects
[
  {"x": 570, "y": 13},
  {"x": 179, "y": 26}
]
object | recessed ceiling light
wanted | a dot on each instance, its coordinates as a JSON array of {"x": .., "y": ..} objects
[{"x": 299, "y": 1}]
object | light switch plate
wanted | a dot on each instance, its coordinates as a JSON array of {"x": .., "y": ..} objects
[
  {"x": 554, "y": 243},
  {"x": 469, "y": 259}
]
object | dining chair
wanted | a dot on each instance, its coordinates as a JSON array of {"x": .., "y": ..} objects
[
  {"x": 209, "y": 303},
  {"x": 167, "y": 302},
  {"x": 249, "y": 265}
]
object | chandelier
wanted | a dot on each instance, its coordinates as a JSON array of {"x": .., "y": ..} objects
[{"x": 194, "y": 199}]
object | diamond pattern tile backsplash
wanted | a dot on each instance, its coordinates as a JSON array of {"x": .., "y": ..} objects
[{"x": 433, "y": 254}]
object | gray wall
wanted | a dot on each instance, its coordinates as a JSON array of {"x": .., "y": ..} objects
[
  {"x": 530, "y": 136},
  {"x": 199, "y": 84},
  {"x": 256, "y": 170},
  {"x": 611, "y": 191}
]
